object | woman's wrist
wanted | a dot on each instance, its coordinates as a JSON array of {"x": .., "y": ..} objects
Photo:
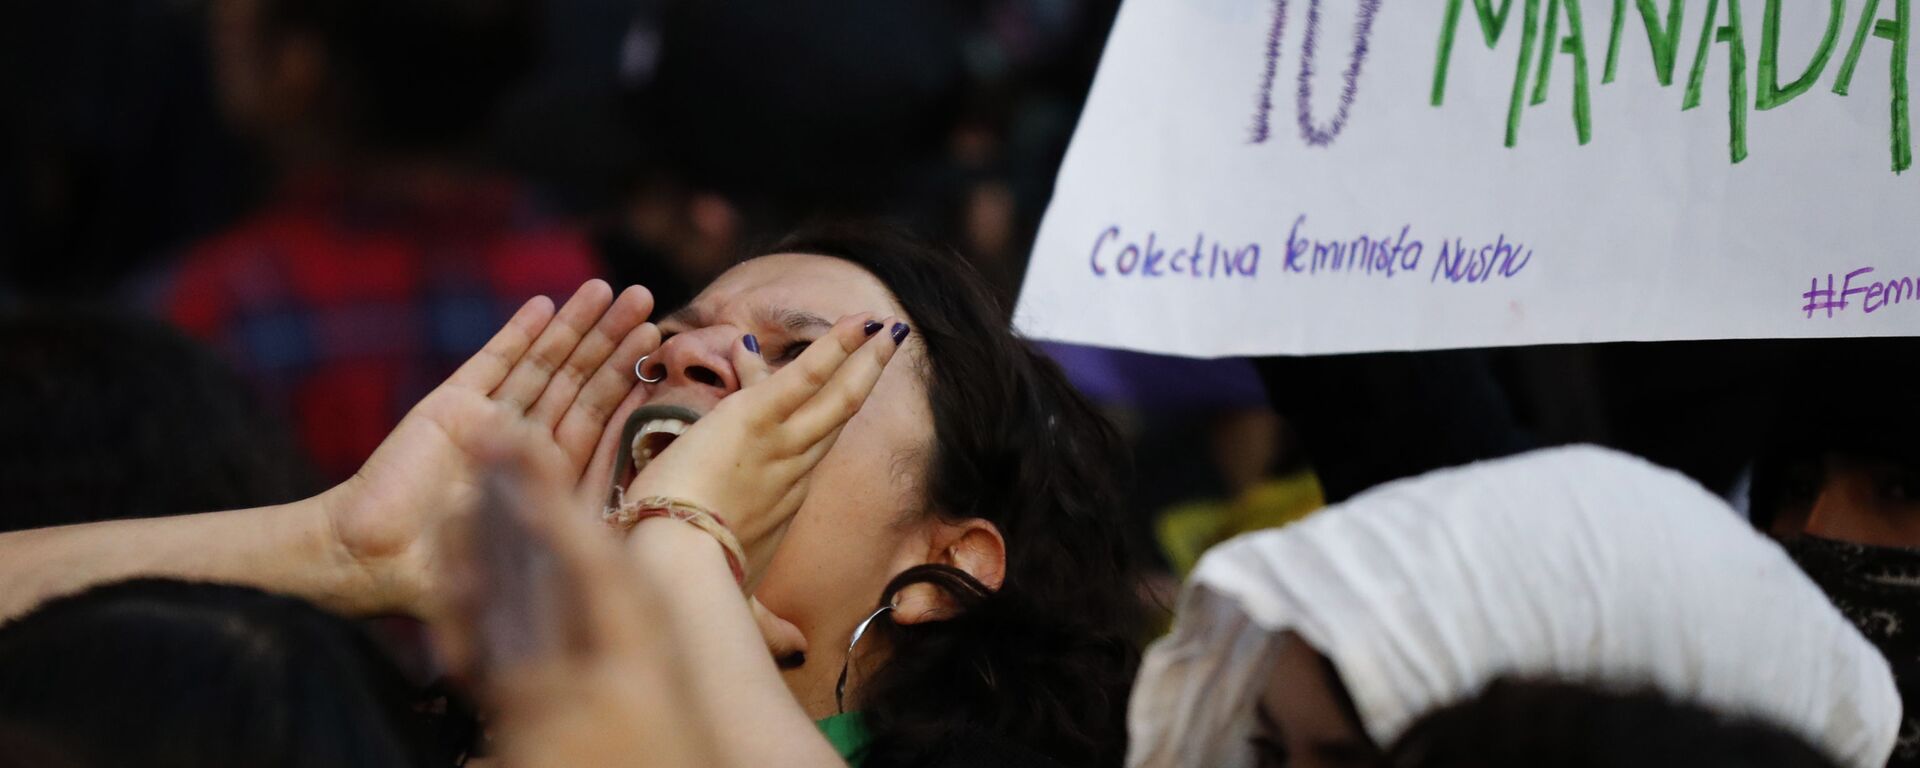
[
  {"x": 350, "y": 576},
  {"x": 672, "y": 549}
]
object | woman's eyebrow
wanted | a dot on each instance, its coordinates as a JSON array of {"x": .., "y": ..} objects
[{"x": 793, "y": 320}]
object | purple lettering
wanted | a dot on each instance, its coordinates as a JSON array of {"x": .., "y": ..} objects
[
  {"x": 1502, "y": 251},
  {"x": 1408, "y": 253},
  {"x": 1900, "y": 290},
  {"x": 1320, "y": 136},
  {"x": 1154, "y": 256},
  {"x": 1874, "y": 296},
  {"x": 1482, "y": 265},
  {"x": 1846, "y": 285},
  {"x": 1263, "y": 107},
  {"x": 1295, "y": 248},
  {"x": 1818, "y": 298},
  {"x": 1151, "y": 259},
  {"x": 1249, "y": 260},
  {"x": 1093, "y": 259},
  {"x": 1509, "y": 269}
]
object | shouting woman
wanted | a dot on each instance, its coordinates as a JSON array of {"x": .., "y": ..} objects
[{"x": 939, "y": 572}]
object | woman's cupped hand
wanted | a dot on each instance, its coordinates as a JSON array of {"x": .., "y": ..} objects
[
  {"x": 749, "y": 460},
  {"x": 558, "y": 375}
]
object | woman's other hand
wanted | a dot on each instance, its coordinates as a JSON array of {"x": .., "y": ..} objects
[
  {"x": 561, "y": 374},
  {"x": 748, "y": 459}
]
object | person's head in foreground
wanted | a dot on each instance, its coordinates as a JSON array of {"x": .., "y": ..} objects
[
  {"x": 165, "y": 673},
  {"x": 1328, "y": 639},
  {"x": 974, "y": 490},
  {"x": 1843, "y": 492},
  {"x": 1516, "y": 723}
]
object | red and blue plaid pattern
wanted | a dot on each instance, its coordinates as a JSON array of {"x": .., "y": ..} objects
[{"x": 345, "y": 309}]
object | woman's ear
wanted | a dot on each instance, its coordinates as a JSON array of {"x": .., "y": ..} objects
[{"x": 974, "y": 547}]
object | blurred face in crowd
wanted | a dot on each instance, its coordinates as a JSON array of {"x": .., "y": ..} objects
[
  {"x": 859, "y": 524},
  {"x": 1305, "y": 717},
  {"x": 1867, "y": 501},
  {"x": 266, "y": 84}
]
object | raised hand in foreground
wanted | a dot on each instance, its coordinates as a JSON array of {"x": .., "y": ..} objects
[
  {"x": 591, "y": 655},
  {"x": 556, "y": 378},
  {"x": 365, "y": 546}
]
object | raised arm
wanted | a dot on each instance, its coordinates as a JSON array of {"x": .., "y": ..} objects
[{"x": 366, "y": 545}]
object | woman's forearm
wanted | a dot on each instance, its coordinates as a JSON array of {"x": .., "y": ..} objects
[
  {"x": 289, "y": 548},
  {"x": 729, "y": 681}
]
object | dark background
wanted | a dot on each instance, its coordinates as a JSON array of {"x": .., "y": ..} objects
[{"x": 673, "y": 134}]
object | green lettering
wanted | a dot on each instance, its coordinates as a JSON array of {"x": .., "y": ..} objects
[
  {"x": 1771, "y": 93},
  {"x": 1736, "y": 73},
  {"x": 1445, "y": 53},
  {"x": 1574, "y": 45},
  {"x": 1492, "y": 25},
  {"x": 1527, "y": 36},
  {"x": 1844, "y": 79},
  {"x": 1900, "y": 32},
  {"x": 1897, "y": 30},
  {"x": 1492, "y": 22},
  {"x": 1664, "y": 40}
]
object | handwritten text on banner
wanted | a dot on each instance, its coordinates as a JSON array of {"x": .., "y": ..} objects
[{"x": 1321, "y": 176}]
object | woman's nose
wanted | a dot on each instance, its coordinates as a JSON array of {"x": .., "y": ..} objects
[{"x": 698, "y": 359}]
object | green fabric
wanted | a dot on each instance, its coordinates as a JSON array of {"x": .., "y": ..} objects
[{"x": 848, "y": 735}]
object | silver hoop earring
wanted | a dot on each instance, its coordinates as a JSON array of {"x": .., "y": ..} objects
[
  {"x": 639, "y": 369},
  {"x": 840, "y": 688}
]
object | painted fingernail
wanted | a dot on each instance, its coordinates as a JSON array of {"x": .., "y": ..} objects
[
  {"x": 752, "y": 344},
  {"x": 871, "y": 328},
  {"x": 900, "y": 331}
]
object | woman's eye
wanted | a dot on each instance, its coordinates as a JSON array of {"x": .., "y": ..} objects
[
  {"x": 792, "y": 351},
  {"x": 1900, "y": 488}
]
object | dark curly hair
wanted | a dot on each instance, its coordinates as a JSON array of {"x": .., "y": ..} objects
[
  {"x": 1516, "y": 722},
  {"x": 1046, "y": 661},
  {"x": 166, "y": 673}
]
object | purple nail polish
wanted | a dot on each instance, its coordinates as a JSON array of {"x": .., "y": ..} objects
[
  {"x": 871, "y": 328},
  {"x": 900, "y": 331},
  {"x": 752, "y": 344}
]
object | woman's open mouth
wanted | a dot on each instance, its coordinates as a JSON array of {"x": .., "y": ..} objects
[
  {"x": 659, "y": 427},
  {"x": 652, "y": 428}
]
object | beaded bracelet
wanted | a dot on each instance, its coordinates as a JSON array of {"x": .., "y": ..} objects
[{"x": 627, "y": 514}]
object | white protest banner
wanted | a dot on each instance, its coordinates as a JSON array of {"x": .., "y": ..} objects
[{"x": 1321, "y": 176}]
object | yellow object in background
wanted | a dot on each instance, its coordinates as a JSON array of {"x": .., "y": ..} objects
[{"x": 1186, "y": 531}]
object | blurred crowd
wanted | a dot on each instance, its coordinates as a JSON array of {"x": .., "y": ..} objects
[
  {"x": 660, "y": 134},
  {"x": 344, "y": 198},
  {"x": 241, "y": 239}
]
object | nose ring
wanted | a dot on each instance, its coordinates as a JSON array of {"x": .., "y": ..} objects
[{"x": 639, "y": 369}]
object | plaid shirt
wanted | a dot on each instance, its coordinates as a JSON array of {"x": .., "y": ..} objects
[{"x": 345, "y": 309}]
